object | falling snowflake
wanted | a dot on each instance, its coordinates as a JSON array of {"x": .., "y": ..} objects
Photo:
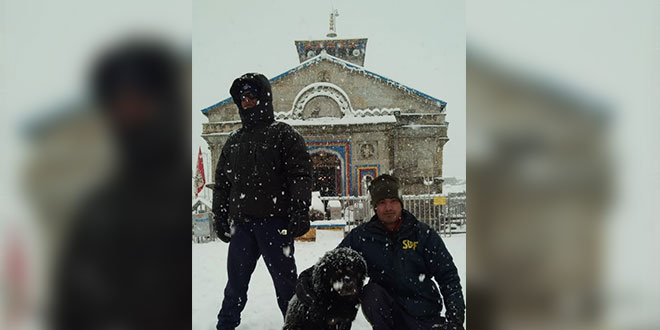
[
  {"x": 242, "y": 196},
  {"x": 287, "y": 251},
  {"x": 422, "y": 277}
]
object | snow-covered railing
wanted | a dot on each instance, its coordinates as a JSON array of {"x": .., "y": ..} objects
[
  {"x": 440, "y": 212},
  {"x": 355, "y": 209},
  {"x": 445, "y": 214}
]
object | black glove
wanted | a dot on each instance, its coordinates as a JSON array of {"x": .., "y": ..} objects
[
  {"x": 222, "y": 230},
  {"x": 299, "y": 222},
  {"x": 452, "y": 326},
  {"x": 445, "y": 324}
]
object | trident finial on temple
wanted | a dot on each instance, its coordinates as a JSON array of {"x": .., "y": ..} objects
[{"x": 333, "y": 31}]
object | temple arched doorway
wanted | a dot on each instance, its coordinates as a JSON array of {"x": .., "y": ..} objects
[{"x": 327, "y": 173}]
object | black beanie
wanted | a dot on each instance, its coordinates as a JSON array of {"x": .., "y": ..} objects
[{"x": 384, "y": 186}]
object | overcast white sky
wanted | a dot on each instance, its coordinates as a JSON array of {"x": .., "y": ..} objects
[{"x": 420, "y": 44}]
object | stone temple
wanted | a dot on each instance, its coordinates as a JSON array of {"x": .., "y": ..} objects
[{"x": 357, "y": 124}]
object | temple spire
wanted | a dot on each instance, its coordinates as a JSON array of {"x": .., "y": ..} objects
[
  {"x": 333, "y": 30},
  {"x": 350, "y": 50}
]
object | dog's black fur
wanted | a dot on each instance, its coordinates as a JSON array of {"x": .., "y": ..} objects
[{"x": 327, "y": 294}]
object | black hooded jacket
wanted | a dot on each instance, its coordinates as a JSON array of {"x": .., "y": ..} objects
[{"x": 264, "y": 169}]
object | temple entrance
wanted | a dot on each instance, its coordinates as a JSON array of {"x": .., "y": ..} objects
[{"x": 327, "y": 174}]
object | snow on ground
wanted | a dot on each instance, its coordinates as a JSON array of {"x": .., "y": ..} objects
[
  {"x": 261, "y": 313},
  {"x": 317, "y": 204}
]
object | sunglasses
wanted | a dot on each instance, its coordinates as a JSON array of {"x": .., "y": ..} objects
[{"x": 248, "y": 95}]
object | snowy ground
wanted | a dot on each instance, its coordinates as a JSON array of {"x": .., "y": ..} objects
[{"x": 261, "y": 313}]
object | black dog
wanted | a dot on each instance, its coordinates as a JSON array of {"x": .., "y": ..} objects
[{"x": 327, "y": 293}]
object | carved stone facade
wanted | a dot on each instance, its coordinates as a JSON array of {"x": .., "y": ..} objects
[
  {"x": 350, "y": 50},
  {"x": 357, "y": 125}
]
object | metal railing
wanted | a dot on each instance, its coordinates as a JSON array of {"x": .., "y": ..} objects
[{"x": 445, "y": 214}]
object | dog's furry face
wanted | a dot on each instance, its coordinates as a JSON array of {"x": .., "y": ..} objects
[
  {"x": 327, "y": 293},
  {"x": 340, "y": 272}
]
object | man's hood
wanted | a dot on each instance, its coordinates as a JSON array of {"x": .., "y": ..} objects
[{"x": 262, "y": 113}]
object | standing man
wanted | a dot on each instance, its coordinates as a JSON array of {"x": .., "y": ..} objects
[
  {"x": 403, "y": 255},
  {"x": 261, "y": 198}
]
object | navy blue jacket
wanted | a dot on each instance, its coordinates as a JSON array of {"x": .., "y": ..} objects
[{"x": 404, "y": 262}]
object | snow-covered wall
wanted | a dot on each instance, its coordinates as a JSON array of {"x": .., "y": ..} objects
[
  {"x": 365, "y": 90},
  {"x": 373, "y": 124}
]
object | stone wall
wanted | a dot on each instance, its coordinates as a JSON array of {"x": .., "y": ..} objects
[
  {"x": 411, "y": 148},
  {"x": 364, "y": 92}
]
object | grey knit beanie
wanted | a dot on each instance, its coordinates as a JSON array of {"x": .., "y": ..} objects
[{"x": 384, "y": 186}]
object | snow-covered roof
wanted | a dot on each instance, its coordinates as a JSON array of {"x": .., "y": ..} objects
[
  {"x": 418, "y": 126},
  {"x": 355, "y": 113},
  {"x": 346, "y": 120},
  {"x": 325, "y": 56},
  {"x": 328, "y": 223},
  {"x": 447, "y": 189},
  {"x": 218, "y": 133},
  {"x": 202, "y": 200}
]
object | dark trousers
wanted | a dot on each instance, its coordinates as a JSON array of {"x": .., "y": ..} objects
[
  {"x": 260, "y": 237},
  {"x": 384, "y": 313}
]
